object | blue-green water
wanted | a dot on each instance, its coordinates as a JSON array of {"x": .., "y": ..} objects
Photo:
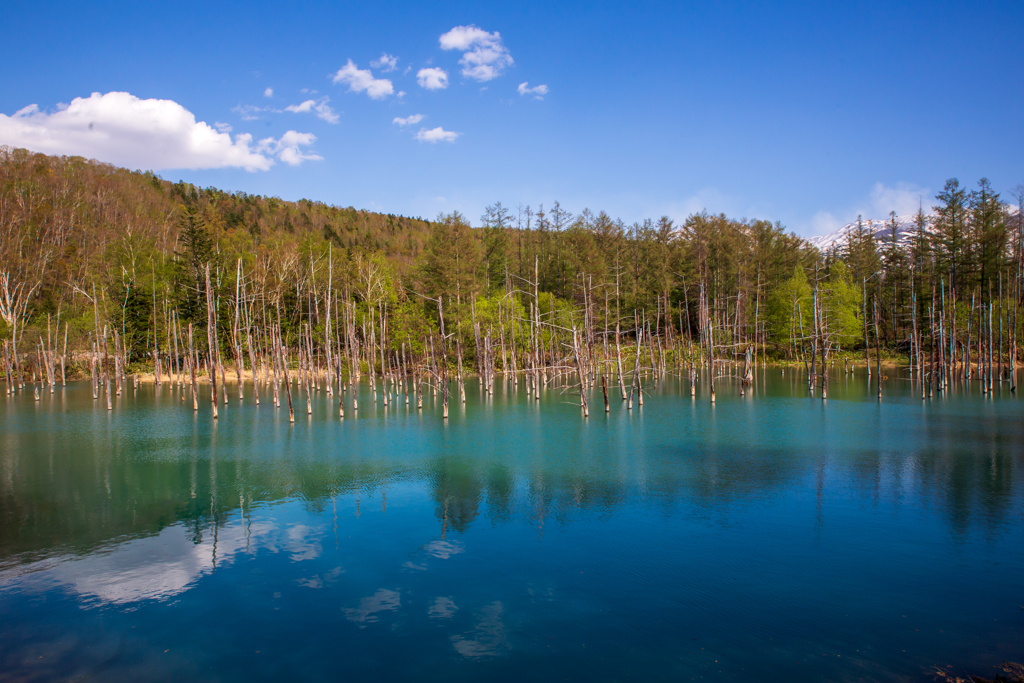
[{"x": 769, "y": 537}]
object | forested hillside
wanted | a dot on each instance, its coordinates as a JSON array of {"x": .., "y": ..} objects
[{"x": 87, "y": 247}]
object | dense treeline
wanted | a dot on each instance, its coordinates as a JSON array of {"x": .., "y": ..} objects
[{"x": 164, "y": 273}]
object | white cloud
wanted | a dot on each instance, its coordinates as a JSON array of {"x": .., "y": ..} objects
[
  {"x": 464, "y": 38},
  {"x": 438, "y": 134},
  {"x": 442, "y": 608},
  {"x": 383, "y": 600},
  {"x": 385, "y": 63},
  {"x": 159, "y": 567},
  {"x": 248, "y": 112},
  {"x": 488, "y": 638},
  {"x": 409, "y": 120},
  {"x": 445, "y": 549},
  {"x": 361, "y": 80},
  {"x": 538, "y": 91},
  {"x": 904, "y": 199},
  {"x": 287, "y": 147},
  {"x": 269, "y": 92},
  {"x": 302, "y": 108},
  {"x": 432, "y": 78},
  {"x": 824, "y": 223},
  {"x": 320, "y": 107},
  {"x": 484, "y": 56},
  {"x": 153, "y": 134},
  {"x": 223, "y": 127}
]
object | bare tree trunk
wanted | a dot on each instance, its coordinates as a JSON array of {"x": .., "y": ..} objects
[
  {"x": 580, "y": 373},
  {"x": 211, "y": 352},
  {"x": 106, "y": 369},
  {"x": 878, "y": 351},
  {"x": 444, "y": 359}
]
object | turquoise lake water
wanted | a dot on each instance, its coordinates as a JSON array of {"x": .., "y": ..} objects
[{"x": 771, "y": 536}]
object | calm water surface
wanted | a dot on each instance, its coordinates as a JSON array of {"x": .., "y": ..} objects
[{"x": 769, "y": 537}]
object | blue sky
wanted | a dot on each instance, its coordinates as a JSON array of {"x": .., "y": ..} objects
[{"x": 804, "y": 113}]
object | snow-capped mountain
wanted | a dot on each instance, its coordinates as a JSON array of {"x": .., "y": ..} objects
[{"x": 881, "y": 229}]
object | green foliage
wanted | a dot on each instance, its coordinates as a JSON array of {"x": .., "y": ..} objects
[
  {"x": 951, "y": 235},
  {"x": 410, "y": 325},
  {"x": 450, "y": 259},
  {"x": 69, "y": 225},
  {"x": 841, "y": 301},
  {"x": 195, "y": 253},
  {"x": 790, "y": 309}
]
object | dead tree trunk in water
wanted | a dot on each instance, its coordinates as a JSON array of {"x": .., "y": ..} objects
[
  {"x": 578, "y": 356},
  {"x": 864, "y": 315},
  {"x": 878, "y": 350},
  {"x": 210, "y": 322},
  {"x": 444, "y": 359}
]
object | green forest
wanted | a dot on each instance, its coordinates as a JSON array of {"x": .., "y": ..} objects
[{"x": 102, "y": 261}]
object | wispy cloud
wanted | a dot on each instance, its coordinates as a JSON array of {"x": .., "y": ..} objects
[
  {"x": 269, "y": 92},
  {"x": 153, "y": 134},
  {"x": 319, "y": 107},
  {"x": 248, "y": 112},
  {"x": 484, "y": 55},
  {"x": 432, "y": 78},
  {"x": 361, "y": 80},
  {"x": 538, "y": 91},
  {"x": 438, "y": 134},
  {"x": 409, "y": 120},
  {"x": 386, "y": 63},
  {"x": 903, "y": 198}
]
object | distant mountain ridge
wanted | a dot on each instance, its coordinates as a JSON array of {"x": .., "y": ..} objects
[{"x": 906, "y": 227}]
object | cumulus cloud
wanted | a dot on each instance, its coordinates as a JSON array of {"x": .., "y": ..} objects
[
  {"x": 409, "y": 120},
  {"x": 361, "y": 80},
  {"x": 269, "y": 92},
  {"x": 154, "y": 134},
  {"x": 287, "y": 147},
  {"x": 538, "y": 91},
  {"x": 319, "y": 107},
  {"x": 385, "y": 63},
  {"x": 484, "y": 56},
  {"x": 438, "y": 134},
  {"x": 432, "y": 78}
]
